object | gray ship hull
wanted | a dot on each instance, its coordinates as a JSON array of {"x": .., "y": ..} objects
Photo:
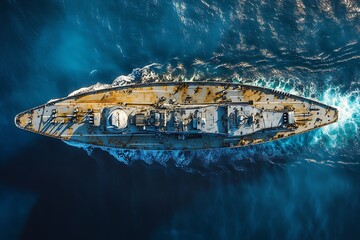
[{"x": 177, "y": 116}]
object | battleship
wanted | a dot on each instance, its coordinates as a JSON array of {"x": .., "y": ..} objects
[{"x": 177, "y": 116}]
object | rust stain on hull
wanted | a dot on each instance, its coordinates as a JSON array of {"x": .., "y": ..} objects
[{"x": 177, "y": 116}]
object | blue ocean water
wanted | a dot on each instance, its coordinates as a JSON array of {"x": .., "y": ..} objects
[{"x": 307, "y": 186}]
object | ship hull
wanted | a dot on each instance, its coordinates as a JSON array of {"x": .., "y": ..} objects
[{"x": 177, "y": 116}]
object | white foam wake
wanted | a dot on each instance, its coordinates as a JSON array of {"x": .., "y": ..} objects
[
  {"x": 144, "y": 74},
  {"x": 344, "y": 133}
]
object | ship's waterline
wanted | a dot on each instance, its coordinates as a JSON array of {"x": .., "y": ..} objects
[{"x": 177, "y": 116}]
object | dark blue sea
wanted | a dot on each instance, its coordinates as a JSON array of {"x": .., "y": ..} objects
[{"x": 304, "y": 187}]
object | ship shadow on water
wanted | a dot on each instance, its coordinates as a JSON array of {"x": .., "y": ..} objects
[{"x": 99, "y": 197}]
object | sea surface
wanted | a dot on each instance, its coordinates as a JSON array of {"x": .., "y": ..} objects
[{"x": 304, "y": 187}]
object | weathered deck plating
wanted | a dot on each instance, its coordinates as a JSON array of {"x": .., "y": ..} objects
[{"x": 171, "y": 116}]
